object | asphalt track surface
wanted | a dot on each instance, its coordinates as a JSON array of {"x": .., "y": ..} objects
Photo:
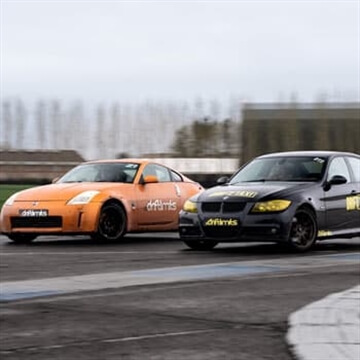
[{"x": 150, "y": 297}]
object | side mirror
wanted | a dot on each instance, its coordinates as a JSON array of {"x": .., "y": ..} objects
[
  {"x": 335, "y": 180},
  {"x": 338, "y": 180},
  {"x": 222, "y": 180},
  {"x": 150, "y": 179}
]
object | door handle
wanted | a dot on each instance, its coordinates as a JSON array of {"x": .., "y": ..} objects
[{"x": 177, "y": 190}]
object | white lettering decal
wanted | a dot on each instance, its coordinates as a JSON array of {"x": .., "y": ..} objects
[
  {"x": 33, "y": 213},
  {"x": 242, "y": 193},
  {"x": 159, "y": 205}
]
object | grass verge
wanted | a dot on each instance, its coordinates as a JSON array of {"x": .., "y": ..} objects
[{"x": 6, "y": 190}]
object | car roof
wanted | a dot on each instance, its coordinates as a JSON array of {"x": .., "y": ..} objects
[
  {"x": 308, "y": 153},
  {"x": 139, "y": 161},
  {"x": 127, "y": 160}
]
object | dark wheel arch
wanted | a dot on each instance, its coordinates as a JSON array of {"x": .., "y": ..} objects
[
  {"x": 304, "y": 229},
  {"x": 112, "y": 223}
]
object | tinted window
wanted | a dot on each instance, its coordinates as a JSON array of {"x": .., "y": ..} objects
[
  {"x": 102, "y": 172},
  {"x": 355, "y": 166},
  {"x": 338, "y": 167},
  {"x": 176, "y": 177},
  {"x": 290, "y": 168},
  {"x": 161, "y": 172}
]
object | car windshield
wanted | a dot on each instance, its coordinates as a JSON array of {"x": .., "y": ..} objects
[
  {"x": 303, "y": 168},
  {"x": 102, "y": 172}
]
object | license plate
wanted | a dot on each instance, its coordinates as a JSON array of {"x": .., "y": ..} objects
[
  {"x": 34, "y": 213},
  {"x": 221, "y": 222}
]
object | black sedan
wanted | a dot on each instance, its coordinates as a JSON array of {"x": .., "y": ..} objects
[{"x": 292, "y": 198}]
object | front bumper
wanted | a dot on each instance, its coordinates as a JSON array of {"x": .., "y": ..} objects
[
  {"x": 237, "y": 227},
  {"x": 60, "y": 219}
]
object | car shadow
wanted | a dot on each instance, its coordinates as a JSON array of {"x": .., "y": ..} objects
[
  {"x": 271, "y": 249},
  {"x": 161, "y": 239},
  {"x": 80, "y": 241}
]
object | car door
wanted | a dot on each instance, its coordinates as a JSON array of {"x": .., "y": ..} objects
[
  {"x": 337, "y": 197},
  {"x": 353, "y": 201},
  {"x": 158, "y": 205}
]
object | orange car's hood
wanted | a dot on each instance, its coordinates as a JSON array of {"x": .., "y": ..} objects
[{"x": 65, "y": 191}]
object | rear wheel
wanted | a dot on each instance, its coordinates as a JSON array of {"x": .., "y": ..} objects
[
  {"x": 22, "y": 238},
  {"x": 201, "y": 244},
  {"x": 303, "y": 230},
  {"x": 112, "y": 223}
]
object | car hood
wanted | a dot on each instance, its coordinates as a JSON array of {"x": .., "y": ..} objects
[
  {"x": 64, "y": 191},
  {"x": 252, "y": 191}
]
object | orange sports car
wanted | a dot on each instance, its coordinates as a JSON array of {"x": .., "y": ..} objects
[{"x": 104, "y": 199}]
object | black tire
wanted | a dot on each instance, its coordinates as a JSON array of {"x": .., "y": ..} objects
[
  {"x": 22, "y": 238},
  {"x": 201, "y": 244},
  {"x": 303, "y": 231},
  {"x": 112, "y": 223}
]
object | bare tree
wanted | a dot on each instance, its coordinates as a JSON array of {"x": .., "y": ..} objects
[
  {"x": 100, "y": 131},
  {"x": 7, "y": 125},
  {"x": 56, "y": 120},
  {"x": 115, "y": 115},
  {"x": 20, "y": 118},
  {"x": 78, "y": 135},
  {"x": 40, "y": 113}
]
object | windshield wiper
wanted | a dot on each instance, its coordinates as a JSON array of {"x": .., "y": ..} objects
[
  {"x": 73, "y": 181},
  {"x": 257, "y": 180},
  {"x": 247, "y": 181}
]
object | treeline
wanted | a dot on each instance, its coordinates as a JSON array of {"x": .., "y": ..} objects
[
  {"x": 179, "y": 129},
  {"x": 109, "y": 130},
  {"x": 208, "y": 138}
]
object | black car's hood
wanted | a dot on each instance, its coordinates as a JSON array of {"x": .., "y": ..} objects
[{"x": 252, "y": 191}]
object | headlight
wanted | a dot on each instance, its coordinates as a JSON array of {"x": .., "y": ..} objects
[
  {"x": 190, "y": 206},
  {"x": 271, "y": 206},
  {"x": 11, "y": 200},
  {"x": 83, "y": 198}
]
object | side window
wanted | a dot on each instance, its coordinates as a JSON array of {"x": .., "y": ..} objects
[
  {"x": 159, "y": 171},
  {"x": 338, "y": 167},
  {"x": 176, "y": 177},
  {"x": 355, "y": 166}
]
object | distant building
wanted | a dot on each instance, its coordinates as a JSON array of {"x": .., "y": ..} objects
[
  {"x": 284, "y": 127},
  {"x": 42, "y": 166},
  {"x": 36, "y": 166}
]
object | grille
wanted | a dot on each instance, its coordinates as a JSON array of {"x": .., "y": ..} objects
[
  {"x": 233, "y": 207},
  {"x": 36, "y": 222},
  {"x": 226, "y": 207},
  {"x": 211, "y": 207}
]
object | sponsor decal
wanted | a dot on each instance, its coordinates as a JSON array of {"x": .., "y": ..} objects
[
  {"x": 33, "y": 213},
  {"x": 241, "y": 193},
  {"x": 323, "y": 233},
  {"x": 353, "y": 202},
  {"x": 319, "y": 160},
  {"x": 160, "y": 205},
  {"x": 221, "y": 222}
]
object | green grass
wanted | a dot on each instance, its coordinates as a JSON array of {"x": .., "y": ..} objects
[{"x": 6, "y": 190}]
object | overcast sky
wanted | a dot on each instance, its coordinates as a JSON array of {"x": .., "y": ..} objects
[{"x": 164, "y": 50}]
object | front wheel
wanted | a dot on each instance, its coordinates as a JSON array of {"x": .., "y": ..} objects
[
  {"x": 201, "y": 244},
  {"x": 22, "y": 238},
  {"x": 303, "y": 230},
  {"x": 112, "y": 223}
]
